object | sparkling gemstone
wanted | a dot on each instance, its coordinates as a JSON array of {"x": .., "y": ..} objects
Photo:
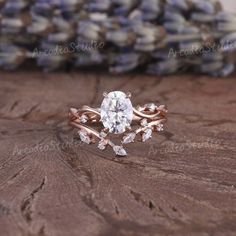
[
  {"x": 129, "y": 138},
  {"x": 144, "y": 122},
  {"x": 163, "y": 108},
  {"x": 116, "y": 112},
  {"x": 147, "y": 135},
  {"x": 151, "y": 106},
  {"x": 102, "y": 144},
  {"x": 83, "y": 119},
  {"x": 102, "y": 134},
  {"x": 120, "y": 151},
  {"x": 84, "y": 137},
  {"x": 160, "y": 127}
]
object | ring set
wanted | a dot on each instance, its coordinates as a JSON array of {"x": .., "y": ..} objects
[{"x": 117, "y": 116}]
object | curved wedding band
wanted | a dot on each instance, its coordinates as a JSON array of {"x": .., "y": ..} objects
[{"x": 117, "y": 116}]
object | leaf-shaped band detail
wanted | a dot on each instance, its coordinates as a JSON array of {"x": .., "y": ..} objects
[{"x": 149, "y": 118}]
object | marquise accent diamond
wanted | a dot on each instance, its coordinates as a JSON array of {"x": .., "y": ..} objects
[
  {"x": 84, "y": 137},
  {"x": 102, "y": 144},
  {"x": 129, "y": 138},
  {"x": 147, "y": 134},
  {"x": 120, "y": 151}
]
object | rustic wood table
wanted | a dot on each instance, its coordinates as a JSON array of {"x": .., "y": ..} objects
[{"x": 181, "y": 182}]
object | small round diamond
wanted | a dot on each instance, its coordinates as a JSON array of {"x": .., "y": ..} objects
[{"x": 116, "y": 112}]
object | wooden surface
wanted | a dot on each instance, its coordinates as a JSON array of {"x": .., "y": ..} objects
[{"x": 182, "y": 182}]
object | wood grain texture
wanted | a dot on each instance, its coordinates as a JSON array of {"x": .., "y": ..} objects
[{"x": 182, "y": 182}]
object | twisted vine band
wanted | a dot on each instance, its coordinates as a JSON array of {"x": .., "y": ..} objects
[{"x": 117, "y": 116}]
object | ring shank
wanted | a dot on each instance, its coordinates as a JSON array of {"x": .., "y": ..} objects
[
  {"x": 145, "y": 121},
  {"x": 139, "y": 114}
]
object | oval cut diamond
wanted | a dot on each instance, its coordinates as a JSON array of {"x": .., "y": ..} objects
[{"x": 116, "y": 112}]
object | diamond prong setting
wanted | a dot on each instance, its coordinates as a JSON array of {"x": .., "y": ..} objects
[{"x": 128, "y": 95}]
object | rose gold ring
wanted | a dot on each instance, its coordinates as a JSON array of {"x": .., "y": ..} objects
[{"x": 117, "y": 116}]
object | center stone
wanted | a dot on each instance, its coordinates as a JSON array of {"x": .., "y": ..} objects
[{"x": 116, "y": 112}]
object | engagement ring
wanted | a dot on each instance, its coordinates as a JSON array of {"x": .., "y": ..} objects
[{"x": 117, "y": 116}]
